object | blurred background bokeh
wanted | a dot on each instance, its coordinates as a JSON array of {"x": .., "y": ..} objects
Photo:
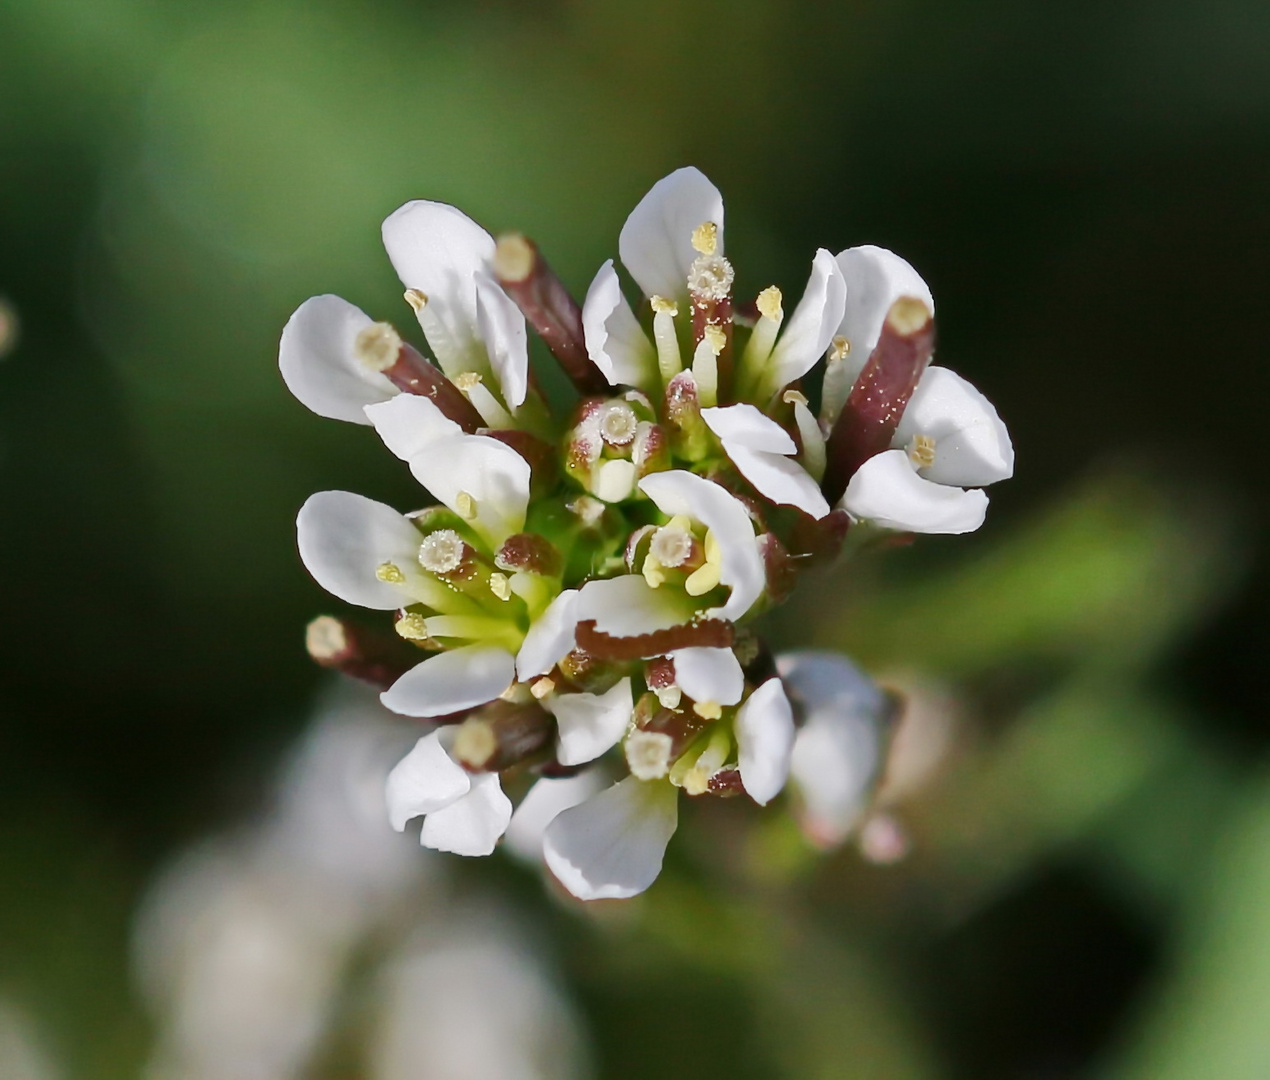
[{"x": 1085, "y": 807}]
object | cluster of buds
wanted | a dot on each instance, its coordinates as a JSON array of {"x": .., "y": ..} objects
[{"x": 578, "y": 601}]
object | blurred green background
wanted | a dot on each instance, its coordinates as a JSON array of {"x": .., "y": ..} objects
[{"x": 1084, "y": 187}]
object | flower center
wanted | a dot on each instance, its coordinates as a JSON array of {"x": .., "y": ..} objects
[
  {"x": 921, "y": 451},
  {"x": 442, "y": 551}
]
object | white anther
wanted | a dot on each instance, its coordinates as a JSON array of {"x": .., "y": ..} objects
[
  {"x": 377, "y": 346},
  {"x": 500, "y": 585},
  {"x": 669, "y": 697},
  {"x": 648, "y": 754},
  {"x": 441, "y": 551}
]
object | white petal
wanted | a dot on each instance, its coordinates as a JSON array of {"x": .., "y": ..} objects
[
  {"x": 615, "y": 341},
  {"x": 628, "y": 606},
  {"x": 680, "y": 492},
  {"x": 875, "y": 279},
  {"x": 765, "y": 737},
  {"x": 548, "y": 797},
  {"x": 343, "y": 538},
  {"x": 972, "y": 446},
  {"x": 806, "y": 336},
  {"x": 612, "y": 845},
  {"x": 426, "y": 779},
  {"x": 656, "y": 241},
  {"x": 451, "y": 463},
  {"x": 319, "y": 366},
  {"x": 503, "y": 330},
  {"x": 887, "y": 491},
  {"x": 744, "y": 425},
  {"x": 591, "y": 723},
  {"x": 470, "y": 825},
  {"x": 451, "y": 681},
  {"x": 706, "y": 674},
  {"x": 550, "y": 638},
  {"x": 781, "y": 479},
  {"x": 439, "y": 251},
  {"x": 838, "y": 749}
]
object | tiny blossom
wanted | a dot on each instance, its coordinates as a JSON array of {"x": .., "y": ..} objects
[{"x": 573, "y": 606}]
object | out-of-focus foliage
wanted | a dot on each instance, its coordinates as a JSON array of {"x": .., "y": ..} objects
[{"x": 1083, "y": 187}]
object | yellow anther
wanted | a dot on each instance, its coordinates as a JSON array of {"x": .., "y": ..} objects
[
  {"x": 707, "y": 710},
  {"x": 769, "y": 304},
  {"x": 715, "y": 337},
  {"x": 662, "y": 306},
  {"x": 653, "y": 571},
  {"x": 500, "y": 585},
  {"x": 838, "y": 348},
  {"x": 705, "y": 238},
  {"x": 390, "y": 573},
  {"x": 696, "y": 781},
  {"x": 465, "y": 506},
  {"x": 416, "y": 299},
  {"x": 541, "y": 688},
  {"x": 467, "y": 381},
  {"x": 702, "y": 580},
  {"x": 412, "y": 626},
  {"x": 793, "y": 397},
  {"x": 714, "y": 553},
  {"x": 921, "y": 451}
]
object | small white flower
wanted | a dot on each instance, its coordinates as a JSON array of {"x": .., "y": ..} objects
[
  {"x": 762, "y": 452},
  {"x": 612, "y": 845},
  {"x": 838, "y": 749},
  {"x": 950, "y": 438},
  {"x": 463, "y": 813}
]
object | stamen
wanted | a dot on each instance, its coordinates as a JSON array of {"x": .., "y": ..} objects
[
  {"x": 617, "y": 423},
  {"x": 710, "y": 277},
  {"x": 702, "y": 580},
  {"x": 769, "y": 304},
  {"x": 412, "y": 626},
  {"x": 442, "y": 551},
  {"x": 838, "y": 348},
  {"x": 648, "y": 754},
  {"x": 390, "y": 573},
  {"x": 705, "y": 365},
  {"x": 377, "y": 346},
  {"x": 707, "y": 710},
  {"x": 542, "y": 688},
  {"x": 695, "y": 780},
  {"x": 465, "y": 506},
  {"x": 500, "y": 585},
  {"x": 416, "y": 299},
  {"x": 921, "y": 451},
  {"x": 809, "y": 433},
  {"x": 485, "y": 403},
  {"x": 668, "y": 362},
  {"x": 705, "y": 238}
]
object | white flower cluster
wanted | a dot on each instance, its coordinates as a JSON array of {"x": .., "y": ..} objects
[{"x": 585, "y": 584}]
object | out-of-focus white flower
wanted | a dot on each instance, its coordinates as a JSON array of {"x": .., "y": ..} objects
[
  {"x": 838, "y": 750},
  {"x": 465, "y": 1002}
]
